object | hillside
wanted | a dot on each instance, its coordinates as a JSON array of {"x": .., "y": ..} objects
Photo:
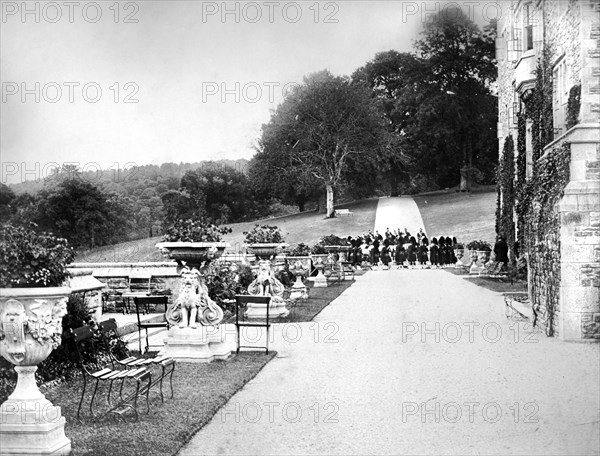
[
  {"x": 466, "y": 216},
  {"x": 307, "y": 227}
]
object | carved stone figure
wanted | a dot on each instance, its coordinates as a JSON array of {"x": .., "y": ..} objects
[
  {"x": 193, "y": 305},
  {"x": 265, "y": 283},
  {"x": 13, "y": 322}
]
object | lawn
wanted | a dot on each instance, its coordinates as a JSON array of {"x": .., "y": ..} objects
[
  {"x": 468, "y": 216},
  {"x": 200, "y": 390},
  {"x": 307, "y": 227}
]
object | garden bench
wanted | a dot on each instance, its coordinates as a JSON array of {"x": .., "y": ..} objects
[
  {"x": 92, "y": 371},
  {"x": 166, "y": 365},
  {"x": 517, "y": 305},
  {"x": 343, "y": 212},
  {"x": 242, "y": 302}
]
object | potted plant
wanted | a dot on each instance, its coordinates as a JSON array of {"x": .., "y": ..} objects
[
  {"x": 265, "y": 241},
  {"x": 193, "y": 242},
  {"x": 33, "y": 301}
]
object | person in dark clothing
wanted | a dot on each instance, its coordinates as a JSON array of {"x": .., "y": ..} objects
[
  {"x": 434, "y": 253},
  {"x": 501, "y": 251},
  {"x": 411, "y": 252},
  {"x": 400, "y": 255},
  {"x": 422, "y": 252}
]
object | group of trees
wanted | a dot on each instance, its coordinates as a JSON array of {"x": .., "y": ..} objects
[
  {"x": 403, "y": 118},
  {"x": 93, "y": 209}
]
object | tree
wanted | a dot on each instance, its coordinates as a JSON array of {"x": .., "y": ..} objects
[
  {"x": 81, "y": 212},
  {"x": 322, "y": 125},
  {"x": 389, "y": 75},
  {"x": 459, "y": 108}
]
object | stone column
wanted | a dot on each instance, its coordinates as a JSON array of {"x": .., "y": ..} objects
[
  {"x": 580, "y": 207},
  {"x": 579, "y": 317}
]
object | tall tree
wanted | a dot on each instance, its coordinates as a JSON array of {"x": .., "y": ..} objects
[
  {"x": 389, "y": 75},
  {"x": 459, "y": 104},
  {"x": 325, "y": 123}
]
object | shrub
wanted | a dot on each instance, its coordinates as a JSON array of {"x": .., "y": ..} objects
[
  {"x": 300, "y": 250},
  {"x": 224, "y": 282},
  {"x": 194, "y": 231},
  {"x": 30, "y": 259},
  {"x": 332, "y": 239},
  {"x": 479, "y": 245},
  {"x": 318, "y": 249},
  {"x": 264, "y": 234}
]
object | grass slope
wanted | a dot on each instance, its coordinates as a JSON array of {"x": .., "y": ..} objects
[
  {"x": 468, "y": 216},
  {"x": 307, "y": 227}
]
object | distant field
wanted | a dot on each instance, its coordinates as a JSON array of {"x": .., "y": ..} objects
[
  {"x": 468, "y": 216},
  {"x": 307, "y": 227}
]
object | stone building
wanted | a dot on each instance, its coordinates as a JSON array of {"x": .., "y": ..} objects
[{"x": 548, "y": 54}]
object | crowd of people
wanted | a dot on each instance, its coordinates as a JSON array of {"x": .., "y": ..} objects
[{"x": 403, "y": 249}]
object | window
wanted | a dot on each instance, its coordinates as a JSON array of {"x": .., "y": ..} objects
[
  {"x": 560, "y": 96},
  {"x": 527, "y": 16}
]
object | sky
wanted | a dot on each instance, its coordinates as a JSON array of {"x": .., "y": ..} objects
[{"x": 109, "y": 84}]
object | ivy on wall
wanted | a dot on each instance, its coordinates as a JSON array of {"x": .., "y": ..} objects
[
  {"x": 539, "y": 106},
  {"x": 505, "y": 179},
  {"x": 542, "y": 226},
  {"x": 522, "y": 193}
]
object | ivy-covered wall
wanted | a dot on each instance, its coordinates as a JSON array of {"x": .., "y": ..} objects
[{"x": 542, "y": 223}]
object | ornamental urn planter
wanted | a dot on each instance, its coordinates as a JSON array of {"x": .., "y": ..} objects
[
  {"x": 30, "y": 328},
  {"x": 320, "y": 261},
  {"x": 300, "y": 267},
  {"x": 266, "y": 251},
  {"x": 341, "y": 251},
  {"x": 459, "y": 254},
  {"x": 193, "y": 254},
  {"x": 194, "y": 317},
  {"x": 480, "y": 258}
]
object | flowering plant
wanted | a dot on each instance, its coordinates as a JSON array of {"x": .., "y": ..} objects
[
  {"x": 29, "y": 259},
  {"x": 194, "y": 231},
  {"x": 264, "y": 234}
]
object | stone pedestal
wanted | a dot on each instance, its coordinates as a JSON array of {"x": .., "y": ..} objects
[
  {"x": 29, "y": 423},
  {"x": 197, "y": 345},
  {"x": 277, "y": 309}
]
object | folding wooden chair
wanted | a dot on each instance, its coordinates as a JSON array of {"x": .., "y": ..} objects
[
  {"x": 142, "y": 306},
  {"x": 108, "y": 331},
  {"x": 242, "y": 302},
  {"x": 93, "y": 372}
]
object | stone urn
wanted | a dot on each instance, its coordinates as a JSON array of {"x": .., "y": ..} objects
[
  {"x": 195, "y": 334},
  {"x": 300, "y": 267},
  {"x": 459, "y": 254},
  {"x": 193, "y": 254},
  {"x": 479, "y": 259},
  {"x": 30, "y": 328},
  {"x": 320, "y": 261}
]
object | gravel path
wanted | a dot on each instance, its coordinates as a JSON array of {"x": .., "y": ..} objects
[
  {"x": 368, "y": 378},
  {"x": 398, "y": 212}
]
